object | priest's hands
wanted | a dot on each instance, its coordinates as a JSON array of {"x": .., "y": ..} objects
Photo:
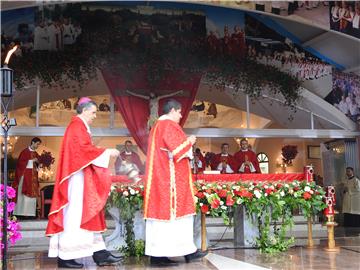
[{"x": 192, "y": 139}]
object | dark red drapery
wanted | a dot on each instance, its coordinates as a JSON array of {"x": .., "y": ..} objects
[{"x": 135, "y": 111}]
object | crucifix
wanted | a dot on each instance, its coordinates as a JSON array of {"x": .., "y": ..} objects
[{"x": 153, "y": 103}]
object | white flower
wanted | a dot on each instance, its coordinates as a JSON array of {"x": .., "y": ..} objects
[
  {"x": 266, "y": 186},
  {"x": 291, "y": 191},
  {"x": 201, "y": 204},
  {"x": 257, "y": 194},
  {"x": 223, "y": 207},
  {"x": 141, "y": 186},
  {"x": 311, "y": 192},
  {"x": 195, "y": 199},
  {"x": 132, "y": 192},
  {"x": 126, "y": 193},
  {"x": 203, "y": 187},
  {"x": 307, "y": 189},
  {"x": 282, "y": 193},
  {"x": 136, "y": 191},
  {"x": 286, "y": 185},
  {"x": 265, "y": 194},
  {"x": 221, "y": 202},
  {"x": 112, "y": 188},
  {"x": 295, "y": 194}
]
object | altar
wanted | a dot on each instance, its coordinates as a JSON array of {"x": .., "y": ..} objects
[{"x": 245, "y": 231}]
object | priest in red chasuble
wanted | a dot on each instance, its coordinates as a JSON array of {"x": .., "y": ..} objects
[
  {"x": 26, "y": 180},
  {"x": 223, "y": 162},
  {"x": 82, "y": 185},
  {"x": 198, "y": 164},
  {"x": 129, "y": 156},
  {"x": 169, "y": 205},
  {"x": 246, "y": 159}
]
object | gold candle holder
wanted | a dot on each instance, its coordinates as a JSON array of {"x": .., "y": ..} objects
[
  {"x": 203, "y": 232},
  {"x": 330, "y": 224},
  {"x": 310, "y": 242}
]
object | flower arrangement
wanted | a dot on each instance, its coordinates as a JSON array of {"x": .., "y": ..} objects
[
  {"x": 215, "y": 199},
  {"x": 289, "y": 152},
  {"x": 267, "y": 204},
  {"x": 46, "y": 160},
  {"x": 13, "y": 227},
  {"x": 129, "y": 199}
]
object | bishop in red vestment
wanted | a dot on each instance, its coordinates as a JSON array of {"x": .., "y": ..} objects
[
  {"x": 169, "y": 204},
  {"x": 246, "y": 159},
  {"x": 26, "y": 181},
  {"x": 82, "y": 186}
]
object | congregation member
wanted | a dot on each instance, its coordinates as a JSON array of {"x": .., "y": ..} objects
[
  {"x": 351, "y": 199},
  {"x": 246, "y": 159},
  {"x": 26, "y": 181},
  {"x": 169, "y": 205},
  {"x": 104, "y": 106},
  {"x": 82, "y": 186}
]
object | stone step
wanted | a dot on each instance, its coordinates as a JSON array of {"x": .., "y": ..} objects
[
  {"x": 40, "y": 224},
  {"x": 33, "y": 232},
  {"x": 298, "y": 231}
]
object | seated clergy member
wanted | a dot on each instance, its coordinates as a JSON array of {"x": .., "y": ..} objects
[
  {"x": 223, "y": 161},
  {"x": 246, "y": 159},
  {"x": 130, "y": 156}
]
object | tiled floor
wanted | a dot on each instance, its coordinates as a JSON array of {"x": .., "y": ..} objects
[{"x": 348, "y": 257}]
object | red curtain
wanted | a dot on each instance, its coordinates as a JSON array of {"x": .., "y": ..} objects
[{"x": 135, "y": 111}]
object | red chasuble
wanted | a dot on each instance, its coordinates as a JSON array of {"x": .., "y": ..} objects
[
  {"x": 76, "y": 153},
  {"x": 241, "y": 156},
  {"x": 133, "y": 158},
  {"x": 30, "y": 186},
  {"x": 218, "y": 158},
  {"x": 168, "y": 183},
  {"x": 203, "y": 164}
]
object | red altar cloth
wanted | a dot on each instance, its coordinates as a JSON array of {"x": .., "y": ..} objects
[{"x": 255, "y": 177}]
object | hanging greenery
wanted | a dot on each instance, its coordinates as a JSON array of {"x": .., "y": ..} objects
[
  {"x": 129, "y": 200},
  {"x": 113, "y": 41}
]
